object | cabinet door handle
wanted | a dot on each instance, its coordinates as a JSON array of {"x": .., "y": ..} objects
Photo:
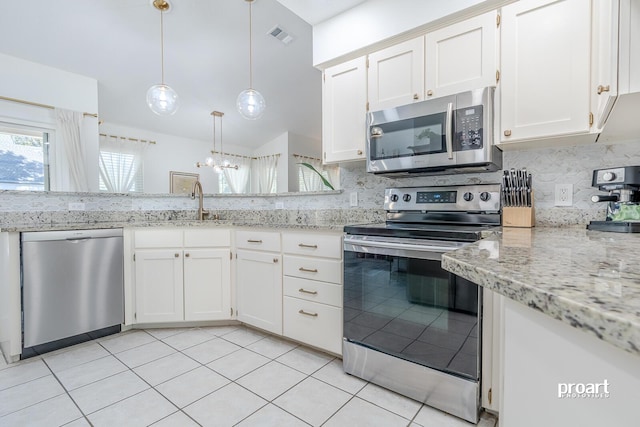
[
  {"x": 177, "y": 255},
  {"x": 275, "y": 260},
  {"x": 308, "y": 270},
  {"x": 429, "y": 93},
  {"x": 359, "y": 152},
  {"x": 416, "y": 96},
  {"x": 306, "y": 313},
  {"x": 254, "y": 241},
  {"x": 601, "y": 89},
  {"x": 302, "y": 245},
  {"x": 186, "y": 255},
  {"x": 507, "y": 132},
  {"x": 304, "y": 291}
]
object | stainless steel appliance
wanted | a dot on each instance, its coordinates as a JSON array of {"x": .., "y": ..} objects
[
  {"x": 438, "y": 136},
  {"x": 409, "y": 325},
  {"x": 72, "y": 284},
  {"x": 623, "y": 209}
]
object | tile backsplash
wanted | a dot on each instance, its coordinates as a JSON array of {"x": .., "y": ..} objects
[{"x": 563, "y": 165}]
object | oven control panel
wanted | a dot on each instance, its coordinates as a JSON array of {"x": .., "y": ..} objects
[{"x": 463, "y": 198}]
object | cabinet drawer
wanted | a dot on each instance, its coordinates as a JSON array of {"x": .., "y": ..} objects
[
  {"x": 313, "y": 290},
  {"x": 258, "y": 240},
  {"x": 207, "y": 238},
  {"x": 158, "y": 238},
  {"x": 326, "y": 270},
  {"x": 321, "y": 245},
  {"x": 312, "y": 323}
]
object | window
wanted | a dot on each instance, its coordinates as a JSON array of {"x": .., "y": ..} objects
[
  {"x": 116, "y": 165},
  {"x": 24, "y": 159}
]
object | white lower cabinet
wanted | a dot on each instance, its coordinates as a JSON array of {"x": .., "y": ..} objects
[
  {"x": 182, "y": 275},
  {"x": 259, "y": 289},
  {"x": 312, "y": 308}
]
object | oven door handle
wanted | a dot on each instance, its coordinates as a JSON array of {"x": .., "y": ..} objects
[{"x": 396, "y": 249}]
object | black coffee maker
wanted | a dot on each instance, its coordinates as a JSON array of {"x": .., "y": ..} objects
[{"x": 623, "y": 187}]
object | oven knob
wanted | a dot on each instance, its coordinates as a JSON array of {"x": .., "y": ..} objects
[
  {"x": 394, "y": 197},
  {"x": 468, "y": 197},
  {"x": 608, "y": 176},
  {"x": 406, "y": 197},
  {"x": 484, "y": 196}
]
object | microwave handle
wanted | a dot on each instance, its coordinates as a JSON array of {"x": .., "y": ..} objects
[{"x": 449, "y": 130}]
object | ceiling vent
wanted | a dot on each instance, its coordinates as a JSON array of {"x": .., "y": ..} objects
[{"x": 280, "y": 34}]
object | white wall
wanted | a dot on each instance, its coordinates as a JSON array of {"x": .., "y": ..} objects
[
  {"x": 377, "y": 20},
  {"x": 172, "y": 153},
  {"x": 32, "y": 82}
]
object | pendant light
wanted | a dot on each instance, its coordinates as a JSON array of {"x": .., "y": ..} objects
[
  {"x": 161, "y": 98},
  {"x": 250, "y": 102},
  {"x": 217, "y": 160}
]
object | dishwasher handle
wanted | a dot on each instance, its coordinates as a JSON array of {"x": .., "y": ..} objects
[{"x": 70, "y": 235}]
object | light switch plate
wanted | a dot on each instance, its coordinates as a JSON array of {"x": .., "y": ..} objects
[
  {"x": 353, "y": 199},
  {"x": 76, "y": 206}
]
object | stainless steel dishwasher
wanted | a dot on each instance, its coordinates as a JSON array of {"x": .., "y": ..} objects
[{"x": 72, "y": 285}]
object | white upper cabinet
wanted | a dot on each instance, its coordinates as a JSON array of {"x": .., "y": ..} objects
[
  {"x": 462, "y": 56},
  {"x": 604, "y": 60},
  {"x": 344, "y": 108},
  {"x": 545, "y": 78},
  {"x": 396, "y": 75}
]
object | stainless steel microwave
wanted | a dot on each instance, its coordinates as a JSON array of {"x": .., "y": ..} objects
[{"x": 447, "y": 135}]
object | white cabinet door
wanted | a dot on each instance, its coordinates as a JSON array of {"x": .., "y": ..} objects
[
  {"x": 396, "y": 75},
  {"x": 546, "y": 46},
  {"x": 159, "y": 295},
  {"x": 259, "y": 289},
  {"x": 344, "y": 108},
  {"x": 462, "y": 56},
  {"x": 605, "y": 60},
  {"x": 207, "y": 284}
]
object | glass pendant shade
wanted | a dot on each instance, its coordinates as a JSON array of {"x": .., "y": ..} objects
[
  {"x": 162, "y": 100},
  {"x": 251, "y": 104}
]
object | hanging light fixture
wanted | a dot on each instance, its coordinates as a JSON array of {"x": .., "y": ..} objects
[
  {"x": 217, "y": 160},
  {"x": 161, "y": 98},
  {"x": 250, "y": 102}
]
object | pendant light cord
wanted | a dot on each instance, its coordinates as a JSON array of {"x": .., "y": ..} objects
[
  {"x": 162, "y": 44},
  {"x": 250, "y": 49}
]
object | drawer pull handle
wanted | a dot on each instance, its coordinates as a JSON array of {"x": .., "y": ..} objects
[
  {"x": 308, "y": 270},
  {"x": 275, "y": 260},
  {"x": 302, "y": 245},
  {"x": 304, "y": 291},
  {"x": 186, "y": 255},
  {"x": 254, "y": 241},
  {"x": 306, "y": 313}
]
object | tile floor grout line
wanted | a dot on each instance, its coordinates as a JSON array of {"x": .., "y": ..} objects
[{"x": 67, "y": 393}]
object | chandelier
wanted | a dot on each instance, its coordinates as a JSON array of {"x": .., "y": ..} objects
[{"x": 217, "y": 160}]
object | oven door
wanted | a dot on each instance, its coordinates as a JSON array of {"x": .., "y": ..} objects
[{"x": 399, "y": 301}]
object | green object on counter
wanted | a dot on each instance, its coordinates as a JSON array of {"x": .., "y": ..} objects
[{"x": 625, "y": 212}]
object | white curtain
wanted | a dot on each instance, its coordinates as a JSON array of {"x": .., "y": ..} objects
[
  {"x": 238, "y": 179},
  {"x": 266, "y": 167},
  {"x": 120, "y": 163},
  {"x": 68, "y": 133},
  {"x": 309, "y": 180}
]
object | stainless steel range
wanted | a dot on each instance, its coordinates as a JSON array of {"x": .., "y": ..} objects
[{"x": 409, "y": 325}]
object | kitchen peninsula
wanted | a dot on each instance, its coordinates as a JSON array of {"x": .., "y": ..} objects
[{"x": 570, "y": 315}]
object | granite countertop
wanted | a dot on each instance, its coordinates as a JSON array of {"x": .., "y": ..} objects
[
  {"x": 587, "y": 279},
  {"x": 317, "y": 225}
]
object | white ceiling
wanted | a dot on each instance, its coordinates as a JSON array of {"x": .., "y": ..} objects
[
  {"x": 117, "y": 42},
  {"x": 315, "y": 11}
]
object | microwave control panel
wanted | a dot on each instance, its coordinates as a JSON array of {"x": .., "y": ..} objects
[{"x": 468, "y": 128}]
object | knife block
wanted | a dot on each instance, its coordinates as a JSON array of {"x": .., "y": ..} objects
[{"x": 520, "y": 216}]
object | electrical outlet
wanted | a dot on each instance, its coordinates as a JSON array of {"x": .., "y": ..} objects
[
  {"x": 279, "y": 205},
  {"x": 76, "y": 206},
  {"x": 353, "y": 199},
  {"x": 564, "y": 195}
]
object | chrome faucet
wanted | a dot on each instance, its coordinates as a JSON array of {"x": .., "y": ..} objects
[{"x": 197, "y": 188}]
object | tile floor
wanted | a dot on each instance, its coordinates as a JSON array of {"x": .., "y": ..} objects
[{"x": 209, "y": 376}]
